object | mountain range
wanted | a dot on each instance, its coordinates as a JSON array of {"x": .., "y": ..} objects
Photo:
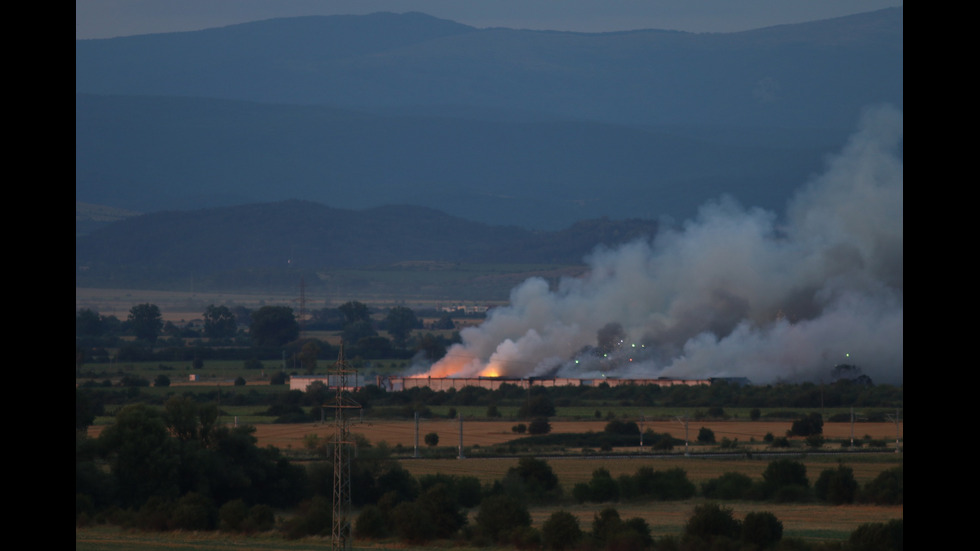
[
  {"x": 536, "y": 129},
  {"x": 273, "y": 245}
]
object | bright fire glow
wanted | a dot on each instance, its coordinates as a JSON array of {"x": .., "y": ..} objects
[{"x": 490, "y": 371}]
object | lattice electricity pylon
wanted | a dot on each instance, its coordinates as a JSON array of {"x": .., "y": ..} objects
[{"x": 341, "y": 533}]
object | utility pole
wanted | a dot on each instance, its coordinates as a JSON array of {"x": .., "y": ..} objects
[
  {"x": 461, "y": 456},
  {"x": 642, "y": 420},
  {"x": 341, "y": 534},
  {"x": 416, "y": 434},
  {"x": 898, "y": 434},
  {"x": 683, "y": 420}
]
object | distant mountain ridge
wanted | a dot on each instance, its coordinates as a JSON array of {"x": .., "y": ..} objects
[
  {"x": 645, "y": 76},
  {"x": 157, "y": 248},
  {"x": 506, "y": 127},
  {"x": 150, "y": 153}
]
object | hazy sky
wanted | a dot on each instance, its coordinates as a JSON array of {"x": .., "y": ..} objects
[{"x": 110, "y": 18}]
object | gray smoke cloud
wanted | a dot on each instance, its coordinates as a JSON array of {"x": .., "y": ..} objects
[{"x": 734, "y": 292}]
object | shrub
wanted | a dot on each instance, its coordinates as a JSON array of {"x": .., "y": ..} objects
[
  {"x": 886, "y": 489},
  {"x": 499, "y": 515},
  {"x": 525, "y": 537},
  {"x": 877, "y": 536},
  {"x": 371, "y": 523},
  {"x": 539, "y": 426},
  {"x": 667, "y": 484},
  {"x": 605, "y": 524},
  {"x": 792, "y": 493},
  {"x": 633, "y": 535},
  {"x": 261, "y": 518},
  {"x": 815, "y": 440},
  {"x": 710, "y": 521},
  {"x": 836, "y": 486},
  {"x": 231, "y": 515},
  {"x": 561, "y": 531},
  {"x": 785, "y": 473},
  {"x": 706, "y": 436},
  {"x": 278, "y": 378},
  {"x": 761, "y": 529},
  {"x": 730, "y": 485},
  {"x": 534, "y": 479},
  {"x": 194, "y": 511},
  {"x": 314, "y": 518},
  {"x": 411, "y": 523},
  {"x": 603, "y": 487},
  {"x": 808, "y": 425},
  {"x": 622, "y": 427}
]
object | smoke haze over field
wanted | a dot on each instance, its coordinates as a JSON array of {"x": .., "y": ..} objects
[{"x": 735, "y": 292}]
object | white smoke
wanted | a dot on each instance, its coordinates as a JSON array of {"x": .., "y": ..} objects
[{"x": 733, "y": 293}]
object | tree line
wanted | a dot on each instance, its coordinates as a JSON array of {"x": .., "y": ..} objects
[
  {"x": 177, "y": 469},
  {"x": 263, "y": 332}
]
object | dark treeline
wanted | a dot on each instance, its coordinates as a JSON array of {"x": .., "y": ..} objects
[
  {"x": 779, "y": 401},
  {"x": 176, "y": 468}
]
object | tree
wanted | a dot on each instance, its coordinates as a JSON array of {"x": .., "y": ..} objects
[
  {"x": 706, "y": 436},
  {"x": 400, "y": 322},
  {"x": 603, "y": 487},
  {"x": 88, "y": 323},
  {"x": 808, "y": 425},
  {"x": 561, "y": 531},
  {"x": 354, "y": 312},
  {"x": 361, "y": 329},
  {"x": 539, "y": 426},
  {"x": 308, "y": 355},
  {"x": 878, "y": 536},
  {"x": 432, "y": 439},
  {"x": 761, "y": 529},
  {"x": 539, "y": 405},
  {"x": 836, "y": 486},
  {"x": 499, "y": 515},
  {"x": 273, "y": 326},
  {"x": 888, "y": 488},
  {"x": 219, "y": 322},
  {"x": 785, "y": 479},
  {"x": 145, "y": 322},
  {"x": 141, "y": 455},
  {"x": 535, "y": 477},
  {"x": 710, "y": 521}
]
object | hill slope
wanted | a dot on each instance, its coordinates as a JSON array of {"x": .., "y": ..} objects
[
  {"x": 273, "y": 244},
  {"x": 151, "y": 153}
]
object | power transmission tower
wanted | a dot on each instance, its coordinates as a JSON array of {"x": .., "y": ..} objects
[{"x": 341, "y": 533}]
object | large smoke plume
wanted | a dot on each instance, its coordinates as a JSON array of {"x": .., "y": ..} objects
[{"x": 735, "y": 292}]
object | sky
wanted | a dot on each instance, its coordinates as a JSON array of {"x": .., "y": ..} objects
[{"x": 112, "y": 18}]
